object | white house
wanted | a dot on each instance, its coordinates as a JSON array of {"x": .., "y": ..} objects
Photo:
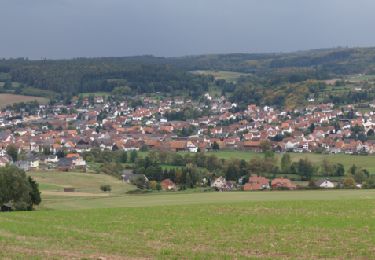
[
  {"x": 191, "y": 147},
  {"x": 219, "y": 183},
  {"x": 79, "y": 162},
  {"x": 51, "y": 159},
  {"x": 3, "y": 152},
  {"x": 34, "y": 163},
  {"x": 325, "y": 184}
]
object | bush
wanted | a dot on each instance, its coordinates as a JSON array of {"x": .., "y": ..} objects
[
  {"x": 349, "y": 183},
  {"x": 370, "y": 183},
  {"x": 105, "y": 188},
  {"x": 152, "y": 185}
]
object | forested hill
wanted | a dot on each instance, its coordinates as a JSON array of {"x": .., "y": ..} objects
[
  {"x": 102, "y": 74},
  {"x": 152, "y": 74},
  {"x": 347, "y": 59},
  {"x": 323, "y": 63}
]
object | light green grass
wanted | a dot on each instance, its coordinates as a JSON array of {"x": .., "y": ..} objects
[
  {"x": 230, "y": 76},
  {"x": 88, "y": 194},
  {"x": 367, "y": 162},
  {"x": 176, "y": 198},
  {"x": 83, "y": 182},
  {"x": 101, "y": 94},
  {"x": 337, "y": 224},
  {"x": 87, "y": 187},
  {"x": 361, "y": 78},
  {"x": 297, "y": 229},
  {"x": 347, "y": 160}
]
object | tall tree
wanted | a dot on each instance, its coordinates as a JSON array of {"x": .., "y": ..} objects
[
  {"x": 286, "y": 163},
  {"x": 305, "y": 169},
  {"x": 12, "y": 151}
]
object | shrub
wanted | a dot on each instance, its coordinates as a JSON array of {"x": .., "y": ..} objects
[
  {"x": 105, "y": 188},
  {"x": 349, "y": 183},
  {"x": 152, "y": 185}
]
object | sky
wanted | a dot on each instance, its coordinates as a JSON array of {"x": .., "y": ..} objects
[{"x": 107, "y": 28}]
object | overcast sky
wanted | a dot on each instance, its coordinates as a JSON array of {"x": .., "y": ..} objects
[{"x": 88, "y": 28}]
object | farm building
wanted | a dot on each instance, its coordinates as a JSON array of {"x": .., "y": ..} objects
[
  {"x": 324, "y": 183},
  {"x": 257, "y": 183},
  {"x": 167, "y": 184}
]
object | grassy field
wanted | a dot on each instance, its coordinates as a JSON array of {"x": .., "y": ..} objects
[
  {"x": 230, "y": 76},
  {"x": 100, "y": 94},
  {"x": 335, "y": 224},
  {"x": 88, "y": 195},
  {"x": 367, "y": 162},
  {"x": 9, "y": 99},
  {"x": 87, "y": 187},
  {"x": 277, "y": 229}
]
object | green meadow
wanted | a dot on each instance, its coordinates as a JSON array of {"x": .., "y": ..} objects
[
  {"x": 339, "y": 227},
  {"x": 92, "y": 224},
  {"x": 347, "y": 160},
  {"x": 230, "y": 76},
  {"x": 367, "y": 162}
]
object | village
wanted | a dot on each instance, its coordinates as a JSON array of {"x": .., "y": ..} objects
[
  {"x": 56, "y": 136},
  {"x": 108, "y": 126},
  {"x": 117, "y": 125}
]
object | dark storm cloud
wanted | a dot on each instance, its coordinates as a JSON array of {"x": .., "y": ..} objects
[{"x": 71, "y": 28}]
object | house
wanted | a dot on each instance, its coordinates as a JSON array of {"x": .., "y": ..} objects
[
  {"x": 252, "y": 145},
  {"x": 51, "y": 159},
  {"x": 219, "y": 183},
  {"x": 140, "y": 180},
  {"x": 79, "y": 163},
  {"x": 283, "y": 183},
  {"x": 70, "y": 162},
  {"x": 178, "y": 146},
  {"x": 6, "y": 207},
  {"x": 257, "y": 183},
  {"x": 4, "y": 160},
  {"x": 192, "y": 147},
  {"x": 33, "y": 163},
  {"x": 99, "y": 100},
  {"x": 168, "y": 184},
  {"x": 65, "y": 164},
  {"x": 3, "y": 152},
  {"x": 72, "y": 155},
  {"x": 325, "y": 184}
]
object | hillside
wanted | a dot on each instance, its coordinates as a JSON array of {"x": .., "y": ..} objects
[{"x": 259, "y": 78}]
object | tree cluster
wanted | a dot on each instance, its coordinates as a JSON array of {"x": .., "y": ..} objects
[{"x": 17, "y": 191}]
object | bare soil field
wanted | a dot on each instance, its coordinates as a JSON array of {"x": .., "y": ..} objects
[{"x": 9, "y": 99}]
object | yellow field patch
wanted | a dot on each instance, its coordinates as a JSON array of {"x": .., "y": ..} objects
[
  {"x": 74, "y": 194},
  {"x": 9, "y": 99}
]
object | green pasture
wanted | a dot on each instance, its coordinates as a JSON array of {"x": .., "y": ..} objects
[
  {"x": 341, "y": 228},
  {"x": 347, "y": 160}
]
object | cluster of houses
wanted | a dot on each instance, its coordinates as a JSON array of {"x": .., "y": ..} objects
[
  {"x": 34, "y": 162},
  {"x": 257, "y": 183},
  {"x": 254, "y": 183},
  {"x": 108, "y": 125}
]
